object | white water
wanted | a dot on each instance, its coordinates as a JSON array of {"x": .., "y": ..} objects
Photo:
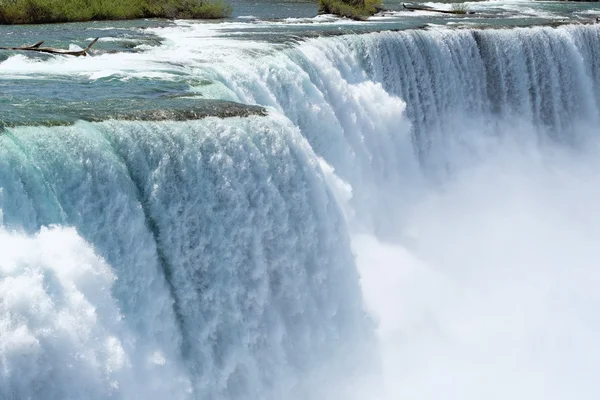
[
  {"x": 491, "y": 292},
  {"x": 460, "y": 168},
  {"x": 235, "y": 276},
  {"x": 61, "y": 332}
]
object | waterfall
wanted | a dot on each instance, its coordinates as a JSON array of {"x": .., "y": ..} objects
[
  {"x": 410, "y": 198},
  {"x": 383, "y": 108},
  {"x": 229, "y": 251}
]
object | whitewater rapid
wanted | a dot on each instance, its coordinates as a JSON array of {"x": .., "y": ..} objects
[{"x": 415, "y": 217}]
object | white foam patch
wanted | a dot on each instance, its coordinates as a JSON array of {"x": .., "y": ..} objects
[
  {"x": 61, "y": 332},
  {"x": 99, "y": 66}
]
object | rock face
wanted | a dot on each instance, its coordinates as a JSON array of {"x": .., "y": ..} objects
[
  {"x": 200, "y": 109},
  {"x": 178, "y": 109}
]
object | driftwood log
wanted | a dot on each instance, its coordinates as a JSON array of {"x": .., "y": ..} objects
[
  {"x": 425, "y": 8},
  {"x": 51, "y": 50}
]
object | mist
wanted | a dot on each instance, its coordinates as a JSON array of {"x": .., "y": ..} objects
[{"x": 491, "y": 289}]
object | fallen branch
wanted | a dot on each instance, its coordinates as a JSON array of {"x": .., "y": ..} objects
[
  {"x": 51, "y": 50},
  {"x": 425, "y": 8}
]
